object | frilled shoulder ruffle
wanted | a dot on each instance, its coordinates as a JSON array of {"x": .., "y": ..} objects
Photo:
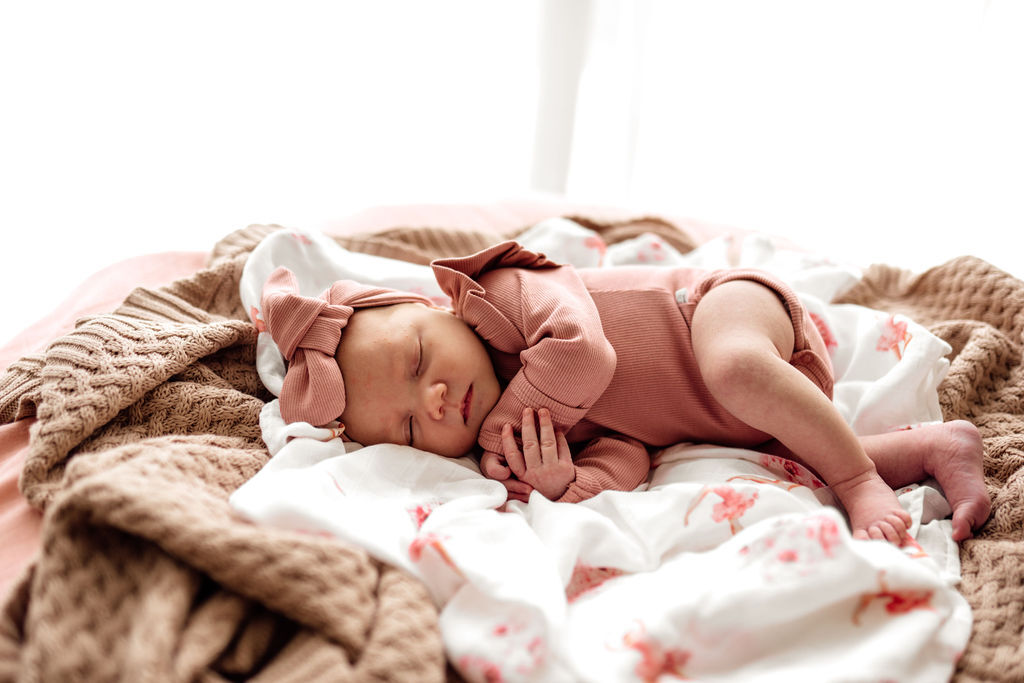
[{"x": 458, "y": 277}]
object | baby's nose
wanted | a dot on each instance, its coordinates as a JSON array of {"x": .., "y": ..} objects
[{"x": 436, "y": 395}]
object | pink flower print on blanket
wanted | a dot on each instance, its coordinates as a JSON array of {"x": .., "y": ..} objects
[
  {"x": 331, "y": 433},
  {"x": 336, "y": 484},
  {"x": 436, "y": 543},
  {"x": 653, "y": 251},
  {"x": 825, "y": 331},
  {"x": 911, "y": 548},
  {"x": 515, "y": 647},
  {"x": 656, "y": 660},
  {"x": 597, "y": 244},
  {"x": 730, "y": 508},
  {"x": 798, "y": 548},
  {"x": 791, "y": 471},
  {"x": 418, "y": 513},
  {"x": 254, "y": 314},
  {"x": 586, "y": 578},
  {"x": 481, "y": 668},
  {"x": 895, "y": 337},
  {"x": 896, "y": 602}
]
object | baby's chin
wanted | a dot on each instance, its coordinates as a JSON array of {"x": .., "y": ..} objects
[{"x": 464, "y": 447}]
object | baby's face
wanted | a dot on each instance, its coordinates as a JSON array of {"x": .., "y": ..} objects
[{"x": 417, "y": 376}]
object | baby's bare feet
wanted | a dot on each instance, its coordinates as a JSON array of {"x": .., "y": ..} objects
[
  {"x": 955, "y": 460},
  {"x": 874, "y": 511}
]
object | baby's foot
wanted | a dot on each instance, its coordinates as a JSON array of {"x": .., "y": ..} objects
[
  {"x": 874, "y": 511},
  {"x": 955, "y": 460}
]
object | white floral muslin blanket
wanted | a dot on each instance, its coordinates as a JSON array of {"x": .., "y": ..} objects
[{"x": 726, "y": 565}]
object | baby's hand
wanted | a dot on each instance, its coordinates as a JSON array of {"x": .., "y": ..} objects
[
  {"x": 544, "y": 464},
  {"x": 493, "y": 466}
]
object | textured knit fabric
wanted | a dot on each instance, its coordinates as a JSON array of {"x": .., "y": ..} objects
[
  {"x": 979, "y": 310},
  {"x": 608, "y": 352},
  {"x": 307, "y": 331},
  {"x": 201, "y": 595},
  {"x": 146, "y": 420}
]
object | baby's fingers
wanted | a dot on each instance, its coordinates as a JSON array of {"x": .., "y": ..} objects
[
  {"x": 531, "y": 444},
  {"x": 548, "y": 442},
  {"x": 518, "y": 490},
  {"x": 492, "y": 466},
  {"x": 513, "y": 456},
  {"x": 564, "y": 454}
]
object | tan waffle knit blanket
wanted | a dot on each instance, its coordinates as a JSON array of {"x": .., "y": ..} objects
[
  {"x": 979, "y": 310},
  {"x": 148, "y": 419}
]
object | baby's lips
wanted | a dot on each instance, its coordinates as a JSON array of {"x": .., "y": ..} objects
[{"x": 467, "y": 404}]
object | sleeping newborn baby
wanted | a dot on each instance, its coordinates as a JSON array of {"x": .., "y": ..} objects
[{"x": 562, "y": 380}]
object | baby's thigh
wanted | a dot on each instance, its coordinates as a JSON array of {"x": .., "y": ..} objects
[{"x": 738, "y": 317}]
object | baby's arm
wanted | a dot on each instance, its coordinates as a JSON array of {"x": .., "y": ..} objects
[
  {"x": 567, "y": 362},
  {"x": 608, "y": 463}
]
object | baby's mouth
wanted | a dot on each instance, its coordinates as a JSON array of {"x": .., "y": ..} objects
[{"x": 466, "y": 403}]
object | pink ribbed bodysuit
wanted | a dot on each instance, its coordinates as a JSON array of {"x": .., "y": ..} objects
[{"x": 608, "y": 352}]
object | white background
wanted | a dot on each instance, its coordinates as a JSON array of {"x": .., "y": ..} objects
[{"x": 872, "y": 131}]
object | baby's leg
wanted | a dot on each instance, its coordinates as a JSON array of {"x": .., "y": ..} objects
[
  {"x": 743, "y": 339},
  {"x": 951, "y": 452}
]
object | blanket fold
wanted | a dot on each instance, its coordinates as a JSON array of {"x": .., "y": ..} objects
[
  {"x": 148, "y": 418},
  {"x": 979, "y": 310}
]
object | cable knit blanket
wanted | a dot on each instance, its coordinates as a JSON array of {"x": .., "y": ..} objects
[
  {"x": 979, "y": 310},
  {"x": 147, "y": 420}
]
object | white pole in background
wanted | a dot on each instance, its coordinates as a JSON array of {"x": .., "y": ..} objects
[{"x": 564, "y": 38}]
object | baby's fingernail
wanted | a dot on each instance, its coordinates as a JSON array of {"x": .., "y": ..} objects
[
  {"x": 544, "y": 412},
  {"x": 506, "y": 429}
]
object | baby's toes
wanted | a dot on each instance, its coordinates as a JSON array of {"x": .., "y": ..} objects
[
  {"x": 961, "y": 529},
  {"x": 965, "y": 520},
  {"x": 890, "y": 529},
  {"x": 972, "y": 513},
  {"x": 899, "y": 522},
  {"x": 894, "y": 531},
  {"x": 904, "y": 522}
]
